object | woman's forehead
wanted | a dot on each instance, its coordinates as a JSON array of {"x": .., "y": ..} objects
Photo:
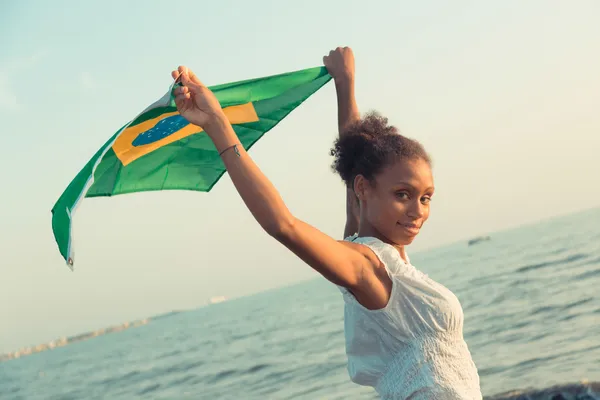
[{"x": 416, "y": 173}]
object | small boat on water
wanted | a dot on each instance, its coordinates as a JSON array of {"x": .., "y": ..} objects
[{"x": 479, "y": 239}]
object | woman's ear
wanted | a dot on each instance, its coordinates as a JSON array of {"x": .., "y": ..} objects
[{"x": 360, "y": 187}]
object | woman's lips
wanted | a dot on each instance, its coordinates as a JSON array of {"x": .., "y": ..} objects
[{"x": 412, "y": 229}]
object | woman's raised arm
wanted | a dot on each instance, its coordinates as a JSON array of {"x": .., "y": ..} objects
[
  {"x": 344, "y": 264},
  {"x": 340, "y": 65}
]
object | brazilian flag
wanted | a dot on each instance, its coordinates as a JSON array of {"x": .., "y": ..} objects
[{"x": 160, "y": 150}]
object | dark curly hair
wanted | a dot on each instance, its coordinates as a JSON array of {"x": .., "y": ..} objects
[{"x": 369, "y": 145}]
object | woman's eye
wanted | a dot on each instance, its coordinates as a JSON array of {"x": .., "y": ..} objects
[
  {"x": 402, "y": 195},
  {"x": 425, "y": 200}
]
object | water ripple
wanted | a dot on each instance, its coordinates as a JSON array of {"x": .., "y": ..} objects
[{"x": 566, "y": 260}]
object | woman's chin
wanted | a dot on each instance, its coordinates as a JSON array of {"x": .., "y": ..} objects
[
  {"x": 401, "y": 240},
  {"x": 409, "y": 241},
  {"x": 405, "y": 238}
]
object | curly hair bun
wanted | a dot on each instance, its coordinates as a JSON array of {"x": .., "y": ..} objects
[{"x": 369, "y": 145}]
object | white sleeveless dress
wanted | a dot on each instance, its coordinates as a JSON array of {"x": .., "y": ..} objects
[{"x": 414, "y": 347}]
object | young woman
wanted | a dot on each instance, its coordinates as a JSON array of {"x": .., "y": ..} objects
[{"x": 403, "y": 330}]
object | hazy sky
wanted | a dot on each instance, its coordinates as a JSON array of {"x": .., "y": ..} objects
[{"x": 504, "y": 95}]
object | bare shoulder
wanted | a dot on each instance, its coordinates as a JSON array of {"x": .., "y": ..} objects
[{"x": 364, "y": 250}]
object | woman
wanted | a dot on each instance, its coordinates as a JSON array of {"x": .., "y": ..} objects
[{"x": 403, "y": 330}]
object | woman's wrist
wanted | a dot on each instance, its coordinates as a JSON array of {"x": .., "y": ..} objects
[{"x": 221, "y": 133}]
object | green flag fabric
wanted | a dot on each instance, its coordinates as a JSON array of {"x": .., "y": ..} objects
[{"x": 160, "y": 150}]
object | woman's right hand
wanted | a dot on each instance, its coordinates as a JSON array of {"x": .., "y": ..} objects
[{"x": 340, "y": 64}]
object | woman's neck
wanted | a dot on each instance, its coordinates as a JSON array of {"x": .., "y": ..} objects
[
  {"x": 402, "y": 252},
  {"x": 372, "y": 232}
]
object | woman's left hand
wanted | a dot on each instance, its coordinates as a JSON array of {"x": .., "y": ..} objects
[{"x": 195, "y": 102}]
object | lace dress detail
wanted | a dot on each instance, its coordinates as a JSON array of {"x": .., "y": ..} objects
[{"x": 413, "y": 348}]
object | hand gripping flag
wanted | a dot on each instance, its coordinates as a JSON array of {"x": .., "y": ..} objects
[{"x": 160, "y": 150}]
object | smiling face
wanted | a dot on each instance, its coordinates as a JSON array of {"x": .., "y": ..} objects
[{"x": 396, "y": 204}]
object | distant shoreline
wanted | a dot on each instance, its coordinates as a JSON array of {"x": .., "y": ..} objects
[{"x": 61, "y": 342}]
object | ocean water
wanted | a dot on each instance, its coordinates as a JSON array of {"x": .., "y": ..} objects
[{"x": 532, "y": 319}]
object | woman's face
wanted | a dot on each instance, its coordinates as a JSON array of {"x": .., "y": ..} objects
[{"x": 396, "y": 205}]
